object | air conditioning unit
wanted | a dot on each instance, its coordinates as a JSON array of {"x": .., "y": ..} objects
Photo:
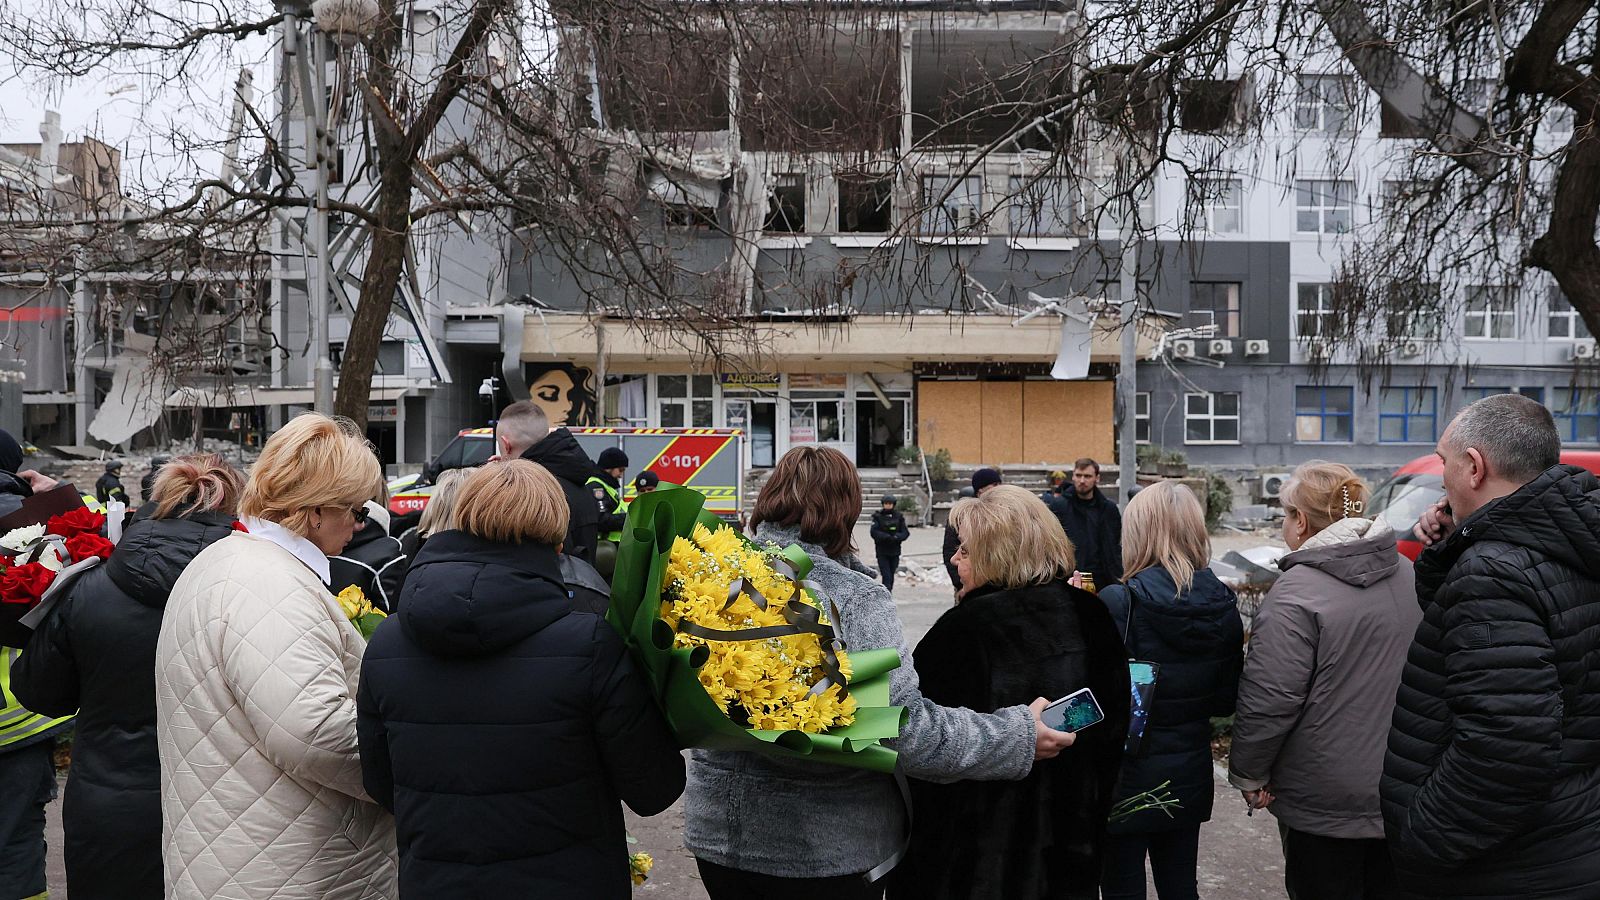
[
  {"x": 1183, "y": 349},
  {"x": 1320, "y": 350},
  {"x": 1410, "y": 348},
  {"x": 1583, "y": 350},
  {"x": 1257, "y": 348},
  {"x": 1221, "y": 348},
  {"x": 1272, "y": 484}
]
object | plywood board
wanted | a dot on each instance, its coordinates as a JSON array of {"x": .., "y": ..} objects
[
  {"x": 1065, "y": 420},
  {"x": 949, "y": 417},
  {"x": 1002, "y": 422}
]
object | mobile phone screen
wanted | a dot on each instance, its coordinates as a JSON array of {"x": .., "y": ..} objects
[{"x": 1073, "y": 712}]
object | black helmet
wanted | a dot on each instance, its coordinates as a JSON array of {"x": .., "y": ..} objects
[
  {"x": 114, "y": 466},
  {"x": 890, "y": 499},
  {"x": 159, "y": 460}
]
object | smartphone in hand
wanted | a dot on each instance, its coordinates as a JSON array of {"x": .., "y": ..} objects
[{"x": 1074, "y": 712}]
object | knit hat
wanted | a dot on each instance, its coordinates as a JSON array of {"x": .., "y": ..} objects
[
  {"x": 647, "y": 480},
  {"x": 613, "y": 458},
  {"x": 984, "y": 478},
  {"x": 10, "y": 452}
]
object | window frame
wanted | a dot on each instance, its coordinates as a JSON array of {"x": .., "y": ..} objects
[
  {"x": 1317, "y": 94},
  {"x": 1406, "y": 416},
  {"x": 1233, "y": 329},
  {"x": 1324, "y": 292},
  {"x": 1571, "y": 420},
  {"x": 1323, "y": 413},
  {"x": 1050, "y": 203},
  {"x": 1574, "y": 321},
  {"x": 1141, "y": 399},
  {"x": 1204, "y": 194},
  {"x": 1490, "y": 313},
  {"x": 1211, "y": 417},
  {"x": 1324, "y": 203}
]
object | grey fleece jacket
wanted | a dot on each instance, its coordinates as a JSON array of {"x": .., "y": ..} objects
[
  {"x": 798, "y": 819},
  {"x": 1319, "y": 685}
]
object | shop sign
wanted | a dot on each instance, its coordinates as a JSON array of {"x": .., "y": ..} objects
[
  {"x": 809, "y": 382},
  {"x": 383, "y": 411},
  {"x": 749, "y": 381}
]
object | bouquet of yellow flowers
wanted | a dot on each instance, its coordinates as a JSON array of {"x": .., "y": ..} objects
[
  {"x": 360, "y": 611},
  {"x": 720, "y": 593},
  {"x": 739, "y": 648}
]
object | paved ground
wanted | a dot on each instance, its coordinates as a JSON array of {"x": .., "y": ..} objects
[{"x": 1239, "y": 856}]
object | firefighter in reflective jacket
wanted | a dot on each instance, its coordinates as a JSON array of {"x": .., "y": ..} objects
[
  {"x": 27, "y": 784},
  {"x": 607, "y": 487}
]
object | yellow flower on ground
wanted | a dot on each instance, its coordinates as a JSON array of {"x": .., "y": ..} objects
[
  {"x": 767, "y": 682},
  {"x": 639, "y": 866}
]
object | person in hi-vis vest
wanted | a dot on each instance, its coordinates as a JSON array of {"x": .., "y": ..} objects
[{"x": 607, "y": 487}]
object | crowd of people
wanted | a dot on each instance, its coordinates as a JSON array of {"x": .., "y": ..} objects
[{"x": 1427, "y": 733}]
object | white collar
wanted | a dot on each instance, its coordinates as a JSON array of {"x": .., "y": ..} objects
[{"x": 303, "y": 550}]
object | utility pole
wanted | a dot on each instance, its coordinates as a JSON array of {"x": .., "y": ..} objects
[
  {"x": 1127, "y": 369},
  {"x": 303, "y": 53}
]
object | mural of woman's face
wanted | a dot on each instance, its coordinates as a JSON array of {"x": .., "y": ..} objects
[{"x": 553, "y": 392}]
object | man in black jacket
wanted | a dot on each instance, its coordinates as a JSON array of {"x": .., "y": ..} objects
[
  {"x": 1092, "y": 522},
  {"x": 524, "y": 431},
  {"x": 1491, "y": 783},
  {"x": 109, "y": 486},
  {"x": 889, "y": 531},
  {"x": 372, "y": 561}
]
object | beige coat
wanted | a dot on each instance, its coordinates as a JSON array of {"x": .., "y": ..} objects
[{"x": 261, "y": 794}]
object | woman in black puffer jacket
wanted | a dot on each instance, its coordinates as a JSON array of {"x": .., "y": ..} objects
[
  {"x": 95, "y": 653},
  {"x": 1178, "y": 615},
  {"x": 498, "y": 724}
]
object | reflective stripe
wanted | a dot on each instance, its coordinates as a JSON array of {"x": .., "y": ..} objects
[{"x": 16, "y": 723}]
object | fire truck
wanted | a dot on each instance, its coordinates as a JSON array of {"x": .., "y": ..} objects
[{"x": 706, "y": 459}]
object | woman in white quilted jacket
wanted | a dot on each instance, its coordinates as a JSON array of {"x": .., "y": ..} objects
[{"x": 256, "y": 675}]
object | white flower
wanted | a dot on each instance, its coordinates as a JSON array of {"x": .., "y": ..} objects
[{"x": 18, "y": 538}]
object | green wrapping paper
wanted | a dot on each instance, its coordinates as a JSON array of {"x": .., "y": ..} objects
[{"x": 654, "y": 521}]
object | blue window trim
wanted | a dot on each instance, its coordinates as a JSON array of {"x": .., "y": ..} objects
[
  {"x": 1322, "y": 412},
  {"x": 1407, "y": 397},
  {"x": 1474, "y": 394},
  {"x": 1567, "y": 422}
]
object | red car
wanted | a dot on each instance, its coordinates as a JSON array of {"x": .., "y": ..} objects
[{"x": 1419, "y": 484}]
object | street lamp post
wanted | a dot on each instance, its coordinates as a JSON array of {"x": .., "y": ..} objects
[{"x": 307, "y": 53}]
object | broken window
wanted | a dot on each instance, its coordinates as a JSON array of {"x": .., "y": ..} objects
[
  {"x": 786, "y": 205},
  {"x": 975, "y": 88},
  {"x": 950, "y": 204},
  {"x": 656, "y": 82},
  {"x": 1122, "y": 99},
  {"x": 864, "y": 205},
  {"x": 1043, "y": 207},
  {"x": 1208, "y": 106},
  {"x": 808, "y": 91}
]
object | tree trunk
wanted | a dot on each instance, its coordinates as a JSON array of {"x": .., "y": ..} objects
[{"x": 385, "y": 265}]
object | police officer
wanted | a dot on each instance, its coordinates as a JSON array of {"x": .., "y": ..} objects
[
  {"x": 109, "y": 486},
  {"x": 607, "y": 487},
  {"x": 647, "y": 482}
]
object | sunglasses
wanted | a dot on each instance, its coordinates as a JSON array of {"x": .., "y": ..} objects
[{"x": 360, "y": 513}]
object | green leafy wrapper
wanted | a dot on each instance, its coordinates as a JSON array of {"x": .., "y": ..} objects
[{"x": 654, "y": 521}]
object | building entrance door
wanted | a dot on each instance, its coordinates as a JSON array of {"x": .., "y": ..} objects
[{"x": 880, "y": 431}]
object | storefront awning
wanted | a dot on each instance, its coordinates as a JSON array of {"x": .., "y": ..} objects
[
  {"x": 861, "y": 344},
  {"x": 239, "y": 395}
]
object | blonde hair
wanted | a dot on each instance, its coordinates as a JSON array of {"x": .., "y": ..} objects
[
  {"x": 439, "y": 514},
  {"x": 202, "y": 482},
  {"x": 1325, "y": 492},
  {"x": 1012, "y": 539},
  {"x": 313, "y": 461},
  {"x": 1165, "y": 527},
  {"x": 512, "y": 502}
]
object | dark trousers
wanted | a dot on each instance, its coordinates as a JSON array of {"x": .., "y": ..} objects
[
  {"x": 1325, "y": 868},
  {"x": 27, "y": 784},
  {"x": 723, "y": 883},
  {"x": 886, "y": 567},
  {"x": 1174, "y": 859}
]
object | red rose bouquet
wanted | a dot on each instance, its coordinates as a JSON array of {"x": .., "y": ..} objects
[{"x": 32, "y": 557}]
